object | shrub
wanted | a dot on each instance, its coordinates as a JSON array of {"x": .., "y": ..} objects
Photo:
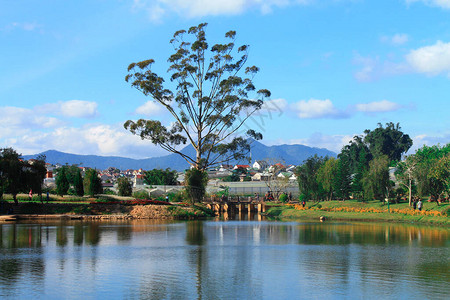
[
  {"x": 92, "y": 183},
  {"x": 84, "y": 209},
  {"x": 124, "y": 186},
  {"x": 142, "y": 194},
  {"x": 178, "y": 196},
  {"x": 196, "y": 181},
  {"x": 283, "y": 198},
  {"x": 108, "y": 192}
]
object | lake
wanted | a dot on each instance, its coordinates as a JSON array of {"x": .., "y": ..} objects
[{"x": 146, "y": 259}]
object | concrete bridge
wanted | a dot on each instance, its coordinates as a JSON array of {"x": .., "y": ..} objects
[{"x": 230, "y": 207}]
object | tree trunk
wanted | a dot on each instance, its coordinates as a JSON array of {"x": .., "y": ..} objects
[{"x": 409, "y": 190}]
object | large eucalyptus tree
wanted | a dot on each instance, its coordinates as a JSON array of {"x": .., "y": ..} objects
[{"x": 211, "y": 98}]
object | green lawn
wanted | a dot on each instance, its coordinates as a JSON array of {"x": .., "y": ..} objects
[{"x": 364, "y": 211}]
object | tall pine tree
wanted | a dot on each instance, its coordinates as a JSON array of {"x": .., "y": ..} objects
[
  {"x": 62, "y": 183},
  {"x": 343, "y": 179}
]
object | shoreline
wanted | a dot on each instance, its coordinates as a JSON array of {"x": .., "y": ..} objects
[
  {"x": 364, "y": 220},
  {"x": 63, "y": 217},
  {"x": 292, "y": 214},
  {"x": 323, "y": 211}
]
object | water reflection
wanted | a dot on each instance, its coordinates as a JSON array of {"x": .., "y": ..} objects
[
  {"x": 223, "y": 259},
  {"x": 194, "y": 233},
  {"x": 372, "y": 234}
]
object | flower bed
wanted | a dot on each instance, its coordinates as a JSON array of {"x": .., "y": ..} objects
[{"x": 405, "y": 211}]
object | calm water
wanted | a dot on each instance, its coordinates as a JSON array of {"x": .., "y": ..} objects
[{"x": 223, "y": 260}]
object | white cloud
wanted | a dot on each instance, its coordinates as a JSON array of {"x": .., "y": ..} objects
[
  {"x": 396, "y": 40},
  {"x": 439, "y": 3},
  {"x": 431, "y": 60},
  {"x": 15, "y": 121},
  {"x": 368, "y": 64},
  {"x": 315, "y": 108},
  {"x": 372, "y": 68},
  {"x": 275, "y": 105},
  {"x": 31, "y": 131},
  {"x": 71, "y": 108},
  {"x": 380, "y": 106},
  {"x": 93, "y": 139},
  {"x": 399, "y": 39},
  {"x": 79, "y": 109},
  {"x": 150, "y": 108},
  {"x": 156, "y": 9}
]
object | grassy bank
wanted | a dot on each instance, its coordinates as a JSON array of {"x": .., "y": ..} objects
[
  {"x": 104, "y": 205},
  {"x": 363, "y": 211},
  {"x": 24, "y": 198}
]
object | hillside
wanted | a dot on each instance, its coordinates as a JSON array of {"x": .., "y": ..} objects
[{"x": 289, "y": 154}]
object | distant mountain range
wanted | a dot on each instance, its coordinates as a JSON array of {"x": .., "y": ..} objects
[{"x": 289, "y": 154}]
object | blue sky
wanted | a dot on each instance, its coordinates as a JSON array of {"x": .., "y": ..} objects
[{"x": 334, "y": 67}]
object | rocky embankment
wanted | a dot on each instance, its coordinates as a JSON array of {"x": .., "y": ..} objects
[{"x": 151, "y": 212}]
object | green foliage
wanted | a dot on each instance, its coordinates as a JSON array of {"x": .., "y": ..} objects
[
  {"x": 236, "y": 175},
  {"x": 35, "y": 172},
  {"x": 92, "y": 183},
  {"x": 69, "y": 181},
  {"x": 376, "y": 180},
  {"x": 82, "y": 210},
  {"x": 62, "y": 183},
  {"x": 207, "y": 102},
  {"x": 362, "y": 166},
  {"x": 283, "y": 198},
  {"x": 160, "y": 177},
  {"x": 441, "y": 172},
  {"x": 326, "y": 176},
  {"x": 356, "y": 154},
  {"x": 78, "y": 183},
  {"x": 190, "y": 213},
  {"x": 108, "y": 191},
  {"x": 178, "y": 196},
  {"x": 12, "y": 179},
  {"x": 431, "y": 170},
  {"x": 307, "y": 177},
  {"x": 195, "y": 182},
  {"x": 389, "y": 141},
  {"x": 141, "y": 194},
  {"x": 342, "y": 180},
  {"x": 124, "y": 186},
  {"x": 231, "y": 178}
]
